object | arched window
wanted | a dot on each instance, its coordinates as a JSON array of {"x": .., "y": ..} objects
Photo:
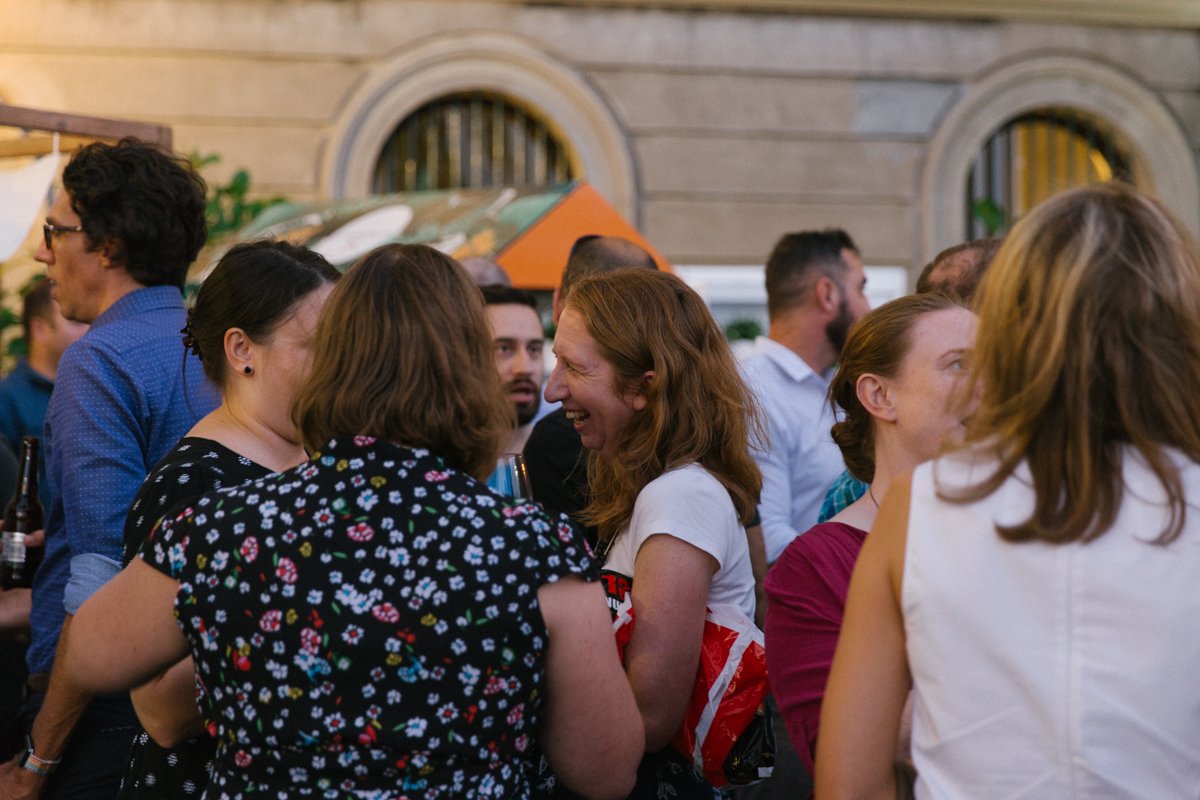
[
  {"x": 1034, "y": 156},
  {"x": 471, "y": 140}
]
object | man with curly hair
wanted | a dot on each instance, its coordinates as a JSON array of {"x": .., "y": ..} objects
[{"x": 117, "y": 243}]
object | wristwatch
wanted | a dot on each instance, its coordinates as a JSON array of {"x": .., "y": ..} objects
[{"x": 31, "y": 762}]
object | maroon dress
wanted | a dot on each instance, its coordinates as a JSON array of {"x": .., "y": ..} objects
[{"x": 806, "y": 593}]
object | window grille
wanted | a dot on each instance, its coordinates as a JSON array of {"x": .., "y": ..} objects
[
  {"x": 471, "y": 140},
  {"x": 1032, "y": 157}
]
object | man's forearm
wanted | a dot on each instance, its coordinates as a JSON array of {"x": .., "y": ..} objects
[{"x": 63, "y": 706}]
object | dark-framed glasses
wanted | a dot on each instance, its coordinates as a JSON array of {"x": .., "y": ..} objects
[{"x": 49, "y": 229}]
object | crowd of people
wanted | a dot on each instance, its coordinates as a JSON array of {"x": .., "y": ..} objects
[{"x": 273, "y": 566}]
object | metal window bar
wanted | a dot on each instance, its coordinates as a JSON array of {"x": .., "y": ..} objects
[
  {"x": 472, "y": 140},
  {"x": 1036, "y": 155}
]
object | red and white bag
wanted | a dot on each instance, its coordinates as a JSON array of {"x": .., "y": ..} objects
[{"x": 731, "y": 684}]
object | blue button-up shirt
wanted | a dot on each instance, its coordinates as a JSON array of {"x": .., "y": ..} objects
[
  {"x": 801, "y": 460},
  {"x": 126, "y": 392}
]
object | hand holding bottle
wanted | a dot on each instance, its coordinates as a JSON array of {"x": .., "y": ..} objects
[{"x": 20, "y": 550}]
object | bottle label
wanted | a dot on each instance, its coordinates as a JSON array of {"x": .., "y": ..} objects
[{"x": 14, "y": 548}]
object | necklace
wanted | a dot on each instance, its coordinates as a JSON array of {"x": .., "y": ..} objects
[
  {"x": 871, "y": 492},
  {"x": 602, "y": 549}
]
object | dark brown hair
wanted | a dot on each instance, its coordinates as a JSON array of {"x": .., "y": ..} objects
[
  {"x": 596, "y": 255},
  {"x": 36, "y": 303},
  {"x": 256, "y": 287},
  {"x": 403, "y": 352},
  {"x": 798, "y": 260},
  {"x": 147, "y": 202}
]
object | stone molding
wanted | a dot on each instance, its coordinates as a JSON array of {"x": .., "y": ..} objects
[
  {"x": 1142, "y": 13},
  {"x": 1164, "y": 160},
  {"x": 502, "y": 63}
]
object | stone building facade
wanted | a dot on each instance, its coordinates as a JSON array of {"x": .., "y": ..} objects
[{"x": 715, "y": 126}]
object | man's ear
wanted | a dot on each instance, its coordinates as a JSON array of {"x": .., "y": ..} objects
[
  {"x": 39, "y": 328},
  {"x": 109, "y": 249},
  {"x": 827, "y": 293},
  {"x": 874, "y": 392},
  {"x": 639, "y": 391}
]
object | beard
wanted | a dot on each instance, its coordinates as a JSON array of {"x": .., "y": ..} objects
[
  {"x": 838, "y": 328},
  {"x": 526, "y": 411}
]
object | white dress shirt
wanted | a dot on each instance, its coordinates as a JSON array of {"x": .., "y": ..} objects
[{"x": 800, "y": 461}]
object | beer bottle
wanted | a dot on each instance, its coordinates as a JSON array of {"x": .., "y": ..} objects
[{"x": 23, "y": 516}]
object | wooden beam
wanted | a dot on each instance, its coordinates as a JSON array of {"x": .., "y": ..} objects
[
  {"x": 41, "y": 144},
  {"x": 94, "y": 127}
]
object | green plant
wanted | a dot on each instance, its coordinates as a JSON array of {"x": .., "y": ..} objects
[
  {"x": 229, "y": 208},
  {"x": 744, "y": 328},
  {"x": 988, "y": 212}
]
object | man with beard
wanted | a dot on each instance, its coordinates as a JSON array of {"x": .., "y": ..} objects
[
  {"x": 815, "y": 286},
  {"x": 518, "y": 342}
]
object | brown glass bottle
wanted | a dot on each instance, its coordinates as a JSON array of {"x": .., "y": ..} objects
[{"x": 23, "y": 516}]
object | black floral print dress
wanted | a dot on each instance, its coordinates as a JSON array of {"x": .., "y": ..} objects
[
  {"x": 195, "y": 466},
  {"x": 367, "y": 625}
]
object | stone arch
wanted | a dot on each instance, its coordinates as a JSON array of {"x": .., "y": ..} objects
[
  {"x": 1164, "y": 161},
  {"x": 491, "y": 62}
]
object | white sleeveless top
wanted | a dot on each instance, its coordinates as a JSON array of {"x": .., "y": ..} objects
[{"x": 1052, "y": 671}]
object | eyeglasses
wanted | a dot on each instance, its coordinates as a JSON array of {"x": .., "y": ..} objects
[{"x": 49, "y": 229}]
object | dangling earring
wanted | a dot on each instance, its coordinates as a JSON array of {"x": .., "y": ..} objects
[{"x": 247, "y": 369}]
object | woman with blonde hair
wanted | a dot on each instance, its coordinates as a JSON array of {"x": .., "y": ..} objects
[
  {"x": 377, "y": 622},
  {"x": 900, "y": 392},
  {"x": 649, "y": 382},
  {"x": 1037, "y": 589}
]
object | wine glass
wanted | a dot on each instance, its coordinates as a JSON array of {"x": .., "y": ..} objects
[{"x": 510, "y": 477}]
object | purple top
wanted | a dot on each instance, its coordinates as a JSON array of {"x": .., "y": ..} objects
[{"x": 806, "y": 591}]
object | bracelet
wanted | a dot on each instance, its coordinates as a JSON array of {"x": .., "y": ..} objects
[{"x": 38, "y": 766}]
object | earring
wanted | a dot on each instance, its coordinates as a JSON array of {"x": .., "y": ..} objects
[{"x": 247, "y": 369}]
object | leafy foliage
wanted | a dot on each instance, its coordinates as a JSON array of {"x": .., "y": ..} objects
[
  {"x": 993, "y": 217},
  {"x": 229, "y": 207},
  {"x": 745, "y": 328}
]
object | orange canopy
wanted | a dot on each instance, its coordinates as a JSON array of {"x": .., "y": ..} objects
[{"x": 535, "y": 257}]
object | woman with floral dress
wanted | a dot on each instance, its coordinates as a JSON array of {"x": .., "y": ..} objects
[
  {"x": 251, "y": 326},
  {"x": 377, "y": 622}
]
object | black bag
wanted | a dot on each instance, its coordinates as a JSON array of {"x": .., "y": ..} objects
[{"x": 752, "y": 757}]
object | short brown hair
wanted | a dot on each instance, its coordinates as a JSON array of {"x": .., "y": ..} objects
[
  {"x": 37, "y": 303},
  {"x": 403, "y": 352},
  {"x": 969, "y": 259},
  {"x": 798, "y": 260},
  {"x": 595, "y": 255}
]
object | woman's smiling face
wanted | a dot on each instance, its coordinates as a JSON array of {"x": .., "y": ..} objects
[{"x": 585, "y": 382}]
